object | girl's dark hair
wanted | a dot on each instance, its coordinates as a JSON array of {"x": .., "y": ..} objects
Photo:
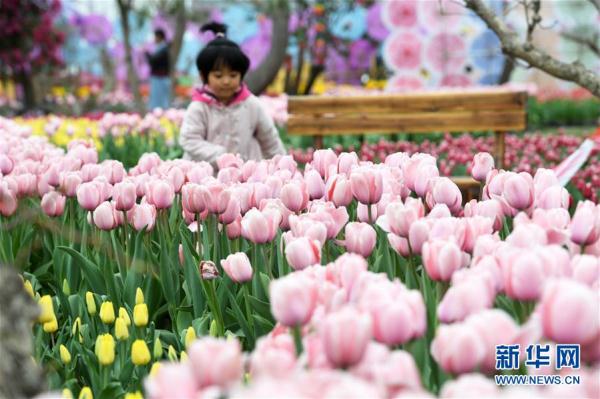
[{"x": 220, "y": 52}]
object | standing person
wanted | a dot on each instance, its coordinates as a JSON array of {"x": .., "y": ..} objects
[
  {"x": 224, "y": 116},
  {"x": 160, "y": 81}
]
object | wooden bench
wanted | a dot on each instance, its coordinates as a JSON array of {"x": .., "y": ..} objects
[{"x": 497, "y": 110}]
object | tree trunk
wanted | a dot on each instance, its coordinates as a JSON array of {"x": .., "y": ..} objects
[
  {"x": 108, "y": 68},
  {"x": 258, "y": 79},
  {"x": 509, "y": 66},
  {"x": 124, "y": 10},
  {"x": 315, "y": 71},
  {"x": 29, "y": 97},
  {"x": 177, "y": 40}
]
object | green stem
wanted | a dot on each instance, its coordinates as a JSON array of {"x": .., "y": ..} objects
[
  {"x": 248, "y": 308},
  {"x": 297, "y": 339}
]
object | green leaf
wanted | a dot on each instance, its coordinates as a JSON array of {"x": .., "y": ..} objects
[
  {"x": 192, "y": 276},
  {"x": 112, "y": 390},
  {"x": 92, "y": 274},
  {"x": 262, "y": 325},
  {"x": 239, "y": 315},
  {"x": 261, "y": 307}
]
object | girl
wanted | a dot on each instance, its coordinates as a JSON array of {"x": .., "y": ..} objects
[{"x": 223, "y": 115}]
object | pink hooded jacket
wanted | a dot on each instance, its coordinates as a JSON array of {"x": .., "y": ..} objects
[{"x": 211, "y": 128}]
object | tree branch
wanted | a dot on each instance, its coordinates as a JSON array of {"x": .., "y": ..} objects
[
  {"x": 595, "y": 3},
  {"x": 590, "y": 42},
  {"x": 512, "y": 46}
]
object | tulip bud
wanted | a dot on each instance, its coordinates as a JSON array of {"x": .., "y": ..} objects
[
  {"x": 171, "y": 354},
  {"x": 29, "y": 288},
  {"x": 51, "y": 326},
  {"x": 134, "y": 395},
  {"x": 184, "y": 357},
  {"x": 238, "y": 267},
  {"x": 47, "y": 309},
  {"x": 65, "y": 356},
  {"x": 65, "y": 288},
  {"x": 140, "y": 315},
  {"x": 190, "y": 337},
  {"x": 107, "y": 312},
  {"x": 67, "y": 394},
  {"x": 208, "y": 270},
  {"x": 121, "y": 330},
  {"x": 157, "y": 351},
  {"x": 154, "y": 369},
  {"x": 105, "y": 349},
  {"x": 213, "y": 331},
  {"x": 91, "y": 303},
  {"x": 140, "y": 354},
  {"x": 125, "y": 316},
  {"x": 139, "y": 296},
  {"x": 85, "y": 393},
  {"x": 76, "y": 329}
]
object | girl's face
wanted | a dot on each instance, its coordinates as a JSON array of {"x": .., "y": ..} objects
[{"x": 224, "y": 82}]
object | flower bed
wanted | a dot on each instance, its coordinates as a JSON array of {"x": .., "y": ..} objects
[{"x": 347, "y": 278}]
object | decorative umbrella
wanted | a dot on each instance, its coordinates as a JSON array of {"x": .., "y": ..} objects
[
  {"x": 242, "y": 22},
  {"x": 400, "y": 14},
  {"x": 404, "y": 83},
  {"x": 446, "y": 52},
  {"x": 447, "y": 13},
  {"x": 486, "y": 53},
  {"x": 375, "y": 26},
  {"x": 402, "y": 50},
  {"x": 349, "y": 25}
]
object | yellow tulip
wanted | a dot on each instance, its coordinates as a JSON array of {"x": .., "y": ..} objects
[
  {"x": 105, "y": 349},
  {"x": 154, "y": 369},
  {"x": 91, "y": 303},
  {"x": 107, "y": 312},
  {"x": 190, "y": 337},
  {"x": 158, "y": 349},
  {"x": 171, "y": 353},
  {"x": 183, "y": 357},
  {"x": 47, "y": 309},
  {"x": 85, "y": 393},
  {"x": 134, "y": 395},
  {"x": 140, "y": 354},
  {"x": 67, "y": 394},
  {"x": 140, "y": 315},
  {"x": 51, "y": 326},
  {"x": 212, "y": 330},
  {"x": 124, "y": 315},
  {"x": 139, "y": 296},
  {"x": 65, "y": 355},
  {"x": 77, "y": 329},
  {"x": 29, "y": 288},
  {"x": 121, "y": 330}
]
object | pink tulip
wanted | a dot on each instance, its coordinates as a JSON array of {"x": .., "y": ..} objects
[
  {"x": 464, "y": 299},
  {"x": 113, "y": 171},
  {"x": 424, "y": 177},
  {"x": 399, "y": 244},
  {"x": 441, "y": 259},
  {"x": 6, "y": 164},
  {"x": 367, "y": 185},
  {"x": 491, "y": 209},
  {"x": 544, "y": 179},
  {"x": 445, "y": 191},
  {"x": 314, "y": 184},
  {"x": 457, "y": 348},
  {"x": 471, "y": 386},
  {"x": 148, "y": 161},
  {"x": 26, "y": 184},
  {"x": 400, "y": 374},
  {"x": 193, "y": 198},
  {"x": 274, "y": 356},
  {"x": 124, "y": 195},
  {"x": 322, "y": 160},
  {"x": 439, "y": 211},
  {"x": 302, "y": 252},
  {"x": 53, "y": 203},
  {"x": 339, "y": 190},
  {"x": 302, "y": 226},
  {"x": 419, "y": 162},
  {"x": 8, "y": 200},
  {"x": 257, "y": 193},
  {"x": 586, "y": 269},
  {"x": 173, "y": 380},
  {"x": 585, "y": 225},
  {"x": 334, "y": 218},
  {"x": 475, "y": 227},
  {"x": 238, "y": 267},
  {"x": 401, "y": 216},
  {"x": 216, "y": 362},
  {"x": 293, "y": 299},
  {"x": 519, "y": 191},
  {"x": 482, "y": 163},
  {"x": 88, "y": 196},
  {"x": 142, "y": 216},
  {"x": 569, "y": 312},
  {"x": 199, "y": 172},
  {"x": 346, "y": 334},
  {"x": 360, "y": 238},
  {"x": 69, "y": 182},
  {"x": 232, "y": 210},
  {"x": 229, "y": 175},
  {"x": 418, "y": 234},
  {"x": 229, "y": 160},
  {"x": 90, "y": 171},
  {"x": 160, "y": 193},
  {"x": 294, "y": 196},
  {"x": 346, "y": 162},
  {"x": 260, "y": 227},
  {"x": 553, "y": 197},
  {"x": 523, "y": 274},
  {"x": 104, "y": 216},
  {"x": 234, "y": 229},
  {"x": 176, "y": 177}
]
